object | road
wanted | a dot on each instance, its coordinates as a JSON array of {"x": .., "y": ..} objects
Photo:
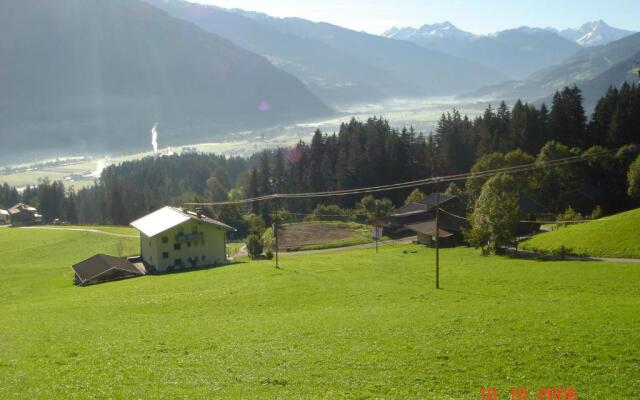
[
  {"x": 527, "y": 253},
  {"x": 89, "y": 230}
]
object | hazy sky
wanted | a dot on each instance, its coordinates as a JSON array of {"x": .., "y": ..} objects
[{"x": 477, "y": 16}]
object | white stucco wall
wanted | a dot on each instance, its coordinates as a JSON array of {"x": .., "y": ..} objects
[{"x": 193, "y": 252}]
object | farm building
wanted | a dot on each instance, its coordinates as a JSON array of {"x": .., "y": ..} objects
[
  {"x": 102, "y": 268},
  {"x": 451, "y": 228},
  {"x": 174, "y": 239},
  {"x": 5, "y": 217},
  {"x": 420, "y": 217},
  {"x": 424, "y": 210},
  {"x": 23, "y": 215}
]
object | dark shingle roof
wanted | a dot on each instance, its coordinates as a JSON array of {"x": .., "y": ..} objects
[
  {"x": 428, "y": 228},
  {"x": 100, "y": 264}
]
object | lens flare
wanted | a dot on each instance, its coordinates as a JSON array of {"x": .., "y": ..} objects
[{"x": 264, "y": 106}]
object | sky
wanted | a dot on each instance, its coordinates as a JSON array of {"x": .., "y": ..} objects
[{"x": 476, "y": 16}]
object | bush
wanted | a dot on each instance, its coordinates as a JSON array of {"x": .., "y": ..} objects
[
  {"x": 330, "y": 212},
  {"x": 596, "y": 213},
  {"x": 255, "y": 223},
  {"x": 562, "y": 252},
  {"x": 269, "y": 255},
  {"x": 268, "y": 240},
  {"x": 254, "y": 246},
  {"x": 568, "y": 215},
  {"x": 633, "y": 178}
]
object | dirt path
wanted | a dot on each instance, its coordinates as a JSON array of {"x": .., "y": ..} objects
[
  {"x": 527, "y": 253},
  {"x": 88, "y": 230},
  {"x": 356, "y": 247}
]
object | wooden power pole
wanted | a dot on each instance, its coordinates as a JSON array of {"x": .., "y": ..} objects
[
  {"x": 437, "y": 234},
  {"x": 275, "y": 232}
]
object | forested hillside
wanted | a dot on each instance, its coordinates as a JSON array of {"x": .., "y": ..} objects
[{"x": 371, "y": 153}]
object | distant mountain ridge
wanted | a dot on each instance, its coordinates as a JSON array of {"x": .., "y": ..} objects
[
  {"x": 97, "y": 75},
  {"x": 593, "y": 69},
  {"x": 339, "y": 65},
  {"x": 515, "y": 52}
]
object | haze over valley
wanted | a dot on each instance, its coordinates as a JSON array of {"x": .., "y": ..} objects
[{"x": 94, "y": 77}]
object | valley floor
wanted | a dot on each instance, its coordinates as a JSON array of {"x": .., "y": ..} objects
[{"x": 347, "y": 325}]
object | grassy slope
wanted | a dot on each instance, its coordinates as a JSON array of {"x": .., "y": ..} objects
[
  {"x": 614, "y": 236},
  {"x": 350, "y": 324}
]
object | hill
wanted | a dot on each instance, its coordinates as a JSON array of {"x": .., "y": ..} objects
[
  {"x": 614, "y": 236},
  {"x": 594, "y": 67},
  {"x": 349, "y": 324},
  {"x": 515, "y": 52},
  {"x": 97, "y": 75}
]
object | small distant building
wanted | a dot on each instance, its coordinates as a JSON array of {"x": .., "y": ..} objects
[
  {"x": 451, "y": 230},
  {"x": 173, "y": 239},
  {"x": 424, "y": 210},
  {"x": 5, "y": 217},
  {"x": 23, "y": 215},
  {"x": 103, "y": 268}
]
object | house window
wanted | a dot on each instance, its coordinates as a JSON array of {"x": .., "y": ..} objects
[
  {"x": 165, "y": 239},
  {"x": 188, "y": 244},
  {"x": 165, "y": 254},
  {"x": 177, "y": 246},
  {"x": 202, "y": 258},
  {"x": 178, "y": 262}
]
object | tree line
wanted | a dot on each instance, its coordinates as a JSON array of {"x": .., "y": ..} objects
[{"x": 372, "y": 153}]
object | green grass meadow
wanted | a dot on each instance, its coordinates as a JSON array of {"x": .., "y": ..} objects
[
  {"x": 614, "y": 236},
  {"x": 349, "y": 324}
]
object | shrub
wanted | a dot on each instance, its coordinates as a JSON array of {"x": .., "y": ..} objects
[
  {"x": 596, "y": 213},
  {"x": 633, "y": 178},
  {"x": 268, "y": 240},
  {"x": 254, "y": 245},
  {"x": 568, "y": 215}
]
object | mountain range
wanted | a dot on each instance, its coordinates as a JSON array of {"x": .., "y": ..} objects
[
  {"x": 593, "y": 69},
  {"x": 97, "y": 75},
  {"x": 515, "y": 52},
  {"x": 339, "y": 65}
]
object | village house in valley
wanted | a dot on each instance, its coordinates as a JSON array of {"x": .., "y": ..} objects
[
  {"x": 174, "y": 239},
  {"x": 23, "y": 215},
  {"x": 5, "y": 217}
]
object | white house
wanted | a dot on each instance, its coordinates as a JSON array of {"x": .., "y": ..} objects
[
  {"x": 5, "y": 217},
  {"x": 174, "y": 239}
]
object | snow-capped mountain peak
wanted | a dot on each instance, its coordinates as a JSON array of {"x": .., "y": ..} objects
[
  {"x": 594, "y": 33},
  {"x": 436, "y": 31}
]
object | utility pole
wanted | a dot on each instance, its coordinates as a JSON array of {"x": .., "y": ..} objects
[
  {"x": 275, "y": 232},
  {"x": 438, "y": 234}
]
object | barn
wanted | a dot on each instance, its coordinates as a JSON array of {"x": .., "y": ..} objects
[
  {"x": 24, "y": 215},
  {"x": 174, "y": 239},
  {"x": 103, "y": 268}
]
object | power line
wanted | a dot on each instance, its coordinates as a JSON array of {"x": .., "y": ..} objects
[{"x": 420, "y": 182}]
